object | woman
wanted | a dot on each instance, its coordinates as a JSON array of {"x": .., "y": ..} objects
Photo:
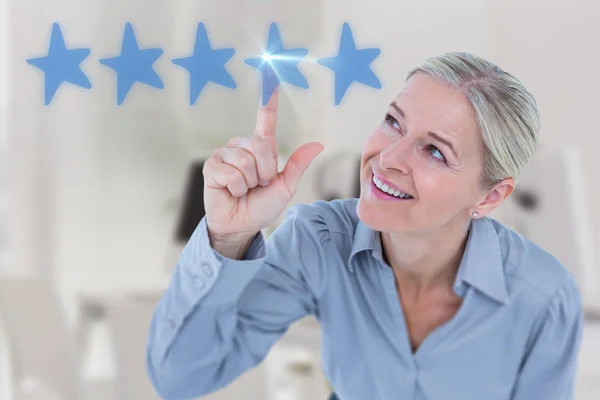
[{"x": 419, "y": 294}]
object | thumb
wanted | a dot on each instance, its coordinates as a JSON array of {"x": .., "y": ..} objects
[{"x": 298, "y": 163}]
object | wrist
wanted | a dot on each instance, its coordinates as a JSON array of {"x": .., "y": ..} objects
[{"x": 233, "y": 246}]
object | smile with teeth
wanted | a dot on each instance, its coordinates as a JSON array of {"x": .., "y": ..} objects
[{"x": 386, "y": 189}]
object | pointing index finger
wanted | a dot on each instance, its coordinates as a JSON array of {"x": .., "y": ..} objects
[{"x": 266, "y": 120}]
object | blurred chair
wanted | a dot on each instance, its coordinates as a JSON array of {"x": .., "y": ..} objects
[
  {"x": 128, "y": 319},
  {"x": 45, "y": 358}
]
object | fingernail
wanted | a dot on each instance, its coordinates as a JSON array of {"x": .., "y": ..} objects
[{"x": 264, "y": 183}]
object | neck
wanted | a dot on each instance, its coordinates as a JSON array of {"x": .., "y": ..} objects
[{"x": 426, "y": 260}]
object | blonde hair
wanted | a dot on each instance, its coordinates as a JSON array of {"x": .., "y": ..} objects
[{"x": 507, "y": 112}]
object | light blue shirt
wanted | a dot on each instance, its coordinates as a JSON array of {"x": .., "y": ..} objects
[{"x": 516, "y": 335}]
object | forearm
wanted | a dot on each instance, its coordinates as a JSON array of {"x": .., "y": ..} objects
[
  {"x": 193, "y": 344},
  {"x": 191, "y": 363}
]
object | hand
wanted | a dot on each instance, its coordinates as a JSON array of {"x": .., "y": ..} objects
[{"x": 244, "y": 191}]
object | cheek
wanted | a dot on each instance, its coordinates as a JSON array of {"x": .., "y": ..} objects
[{"x": 437, "y": 186}]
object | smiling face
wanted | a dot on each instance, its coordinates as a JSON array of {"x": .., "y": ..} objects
[{"x": 428, "y": 146}]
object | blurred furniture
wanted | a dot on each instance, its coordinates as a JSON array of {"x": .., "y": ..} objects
[
  {"x": 45, "y": 359},
  {"x": 128, "y": 317}
]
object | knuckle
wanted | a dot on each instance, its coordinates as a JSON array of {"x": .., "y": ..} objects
[
  {"x": 235, "y": 141},
  {"x": 209, "y": 166},
  {"x": 249, "y": 145},
  {"x": 240, "y": 181},
  {"x": 233, "y": 176},
  {"x": 238, "y": 188},
  {"x": 217, "y": 153},
  {"x": 253, "y": 146},
  {"x": 246, "y": 161}
]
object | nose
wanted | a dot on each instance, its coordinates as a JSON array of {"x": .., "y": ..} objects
[{"x": 396, "y": 156}]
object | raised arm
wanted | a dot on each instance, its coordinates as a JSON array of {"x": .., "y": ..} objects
[
  {"x": 232, "y": 295},
  {"x": 219, "y": 316}
]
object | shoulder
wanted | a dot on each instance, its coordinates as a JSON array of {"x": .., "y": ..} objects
[
  {"x": 326, "y": 227},
  {"x": 337, "y": 217},
  {"x": 316, "y": 237},
  {"x": 534, "y": 272}
]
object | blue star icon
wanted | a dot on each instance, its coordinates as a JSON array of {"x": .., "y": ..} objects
[
  {"x": 133, "y": 65},
  {"x": 61, "y": 65},
  {"x": 206, "y": 65},
  {"x": 351, "y": 65},
  {"x": 278, "y": 65}
]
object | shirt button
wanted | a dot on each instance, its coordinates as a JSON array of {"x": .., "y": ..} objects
[
  {"x": 172, "y": 324},
  {"x": 207, "y": 270}
]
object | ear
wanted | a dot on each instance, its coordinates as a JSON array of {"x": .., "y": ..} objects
[{"x": 495, "y": 196}]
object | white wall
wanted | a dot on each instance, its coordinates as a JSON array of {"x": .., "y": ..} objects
[
  {"x": 5, "y": 373},
  {"x": 30, "y": 239},
  {"x": 3, "y": 53}
]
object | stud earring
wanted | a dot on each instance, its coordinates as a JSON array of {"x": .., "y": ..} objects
[{"x": 475, "y": 214}]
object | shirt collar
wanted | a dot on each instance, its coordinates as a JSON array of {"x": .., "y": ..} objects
[{"x": 480, "y": 267}]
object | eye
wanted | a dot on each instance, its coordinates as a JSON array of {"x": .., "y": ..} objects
[
  {"x": 436, "y": 153},
  {"x": 391, "y": 121}
]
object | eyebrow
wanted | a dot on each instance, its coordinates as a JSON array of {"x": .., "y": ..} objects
[
  {"x": 444, "y": 141},
  {"x": 398, "y": 109},
  {"x": 432, "y": 134}
]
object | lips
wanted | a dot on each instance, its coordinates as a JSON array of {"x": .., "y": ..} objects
[{"x": 387, "y": 187}]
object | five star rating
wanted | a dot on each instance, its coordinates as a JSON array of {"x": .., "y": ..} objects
[{"x": 206, "y": 64}]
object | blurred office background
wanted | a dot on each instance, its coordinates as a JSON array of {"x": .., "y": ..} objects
[{"x": 96, "y": 199}]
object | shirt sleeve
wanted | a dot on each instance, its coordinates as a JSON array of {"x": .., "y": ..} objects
[
  {"x": 549, "y": 370},
  {"x": 219, "y": 317}
]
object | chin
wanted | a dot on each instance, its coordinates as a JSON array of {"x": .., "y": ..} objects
[
  {"x": 377, "y": 218},
  {"x": 367, "y": 214}
]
